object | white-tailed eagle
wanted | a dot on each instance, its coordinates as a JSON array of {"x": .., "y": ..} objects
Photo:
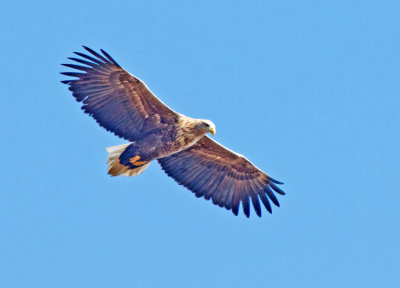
[{"x": 122, "y": 104}]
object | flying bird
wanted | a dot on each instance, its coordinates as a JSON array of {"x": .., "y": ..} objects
[{"x": 124, "y": 105}]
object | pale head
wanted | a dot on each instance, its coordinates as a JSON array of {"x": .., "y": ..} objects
[{"x": 206, "y": 126}]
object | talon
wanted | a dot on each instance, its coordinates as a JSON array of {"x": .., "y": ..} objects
[{"x": 138, "y": 163}]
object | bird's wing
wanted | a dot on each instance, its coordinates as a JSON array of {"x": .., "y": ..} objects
[
  {"x": 212, "y": 171},
  {"x": 118, "y": 101}
]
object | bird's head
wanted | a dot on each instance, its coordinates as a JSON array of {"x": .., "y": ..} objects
[{"x": 208, "y": 126}]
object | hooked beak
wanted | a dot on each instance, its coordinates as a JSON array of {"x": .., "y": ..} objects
[{"x": 212, "y": 131}]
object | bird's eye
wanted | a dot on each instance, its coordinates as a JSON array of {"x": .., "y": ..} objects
[{"x": 208, "y": 125}]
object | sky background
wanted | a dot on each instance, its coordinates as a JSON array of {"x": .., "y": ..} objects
[{"x": 308, "y": 90}]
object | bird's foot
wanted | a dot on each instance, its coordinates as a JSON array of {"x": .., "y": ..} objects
[{"x": 134, "y": 161}]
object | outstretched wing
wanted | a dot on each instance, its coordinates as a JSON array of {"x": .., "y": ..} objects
[
  {"x": 118, "y": 101},
  {"x": 212, "y": 171}
]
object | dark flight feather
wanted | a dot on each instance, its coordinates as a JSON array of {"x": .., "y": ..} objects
[
  {"x": 118, "y": 101},
  {"x": 224, "y": 176}
]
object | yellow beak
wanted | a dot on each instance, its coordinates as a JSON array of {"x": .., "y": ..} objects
[{"x": 212, "y": 131}]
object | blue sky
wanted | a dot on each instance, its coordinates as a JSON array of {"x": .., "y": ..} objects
[{"x": 307, "y": 90}]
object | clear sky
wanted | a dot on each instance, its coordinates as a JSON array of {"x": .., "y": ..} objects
[{"x": 308, "y": 90}]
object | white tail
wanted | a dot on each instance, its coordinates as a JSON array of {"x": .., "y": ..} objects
[{"x": 115, "y": 168}]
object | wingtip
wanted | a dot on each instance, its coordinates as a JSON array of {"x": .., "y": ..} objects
[
  {"x": 235, "y": 212},
  {"x": 110, "y": 58},
  {"x": 277, "y": 189},
  {"x": 72, "y": 74},
  {"x": 88, "y": 49},
  {"x": 275, "y": 181}
]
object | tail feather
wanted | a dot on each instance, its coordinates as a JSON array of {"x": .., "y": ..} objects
[{"x": 115, "y": 168}]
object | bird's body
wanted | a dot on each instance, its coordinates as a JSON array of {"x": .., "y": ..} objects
[
  {"x": 123, "y": 104},
  {"x": 163, "y": 143}
]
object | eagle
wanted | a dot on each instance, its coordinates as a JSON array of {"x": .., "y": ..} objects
[{"x": 125, "y": 106}]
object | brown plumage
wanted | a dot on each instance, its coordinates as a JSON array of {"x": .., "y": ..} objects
[{"x": 123, "y": 104}]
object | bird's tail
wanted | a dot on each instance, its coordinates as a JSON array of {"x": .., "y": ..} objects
[{"x": 115, "y": 168}]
